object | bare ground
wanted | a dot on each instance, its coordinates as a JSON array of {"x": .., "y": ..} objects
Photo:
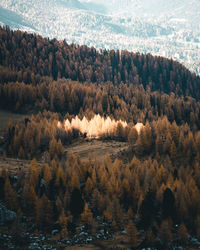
[
  {"x": 14, "y": 165},
  {"x": 98, "y": 149},
  {"x": 95, "y": 149}
]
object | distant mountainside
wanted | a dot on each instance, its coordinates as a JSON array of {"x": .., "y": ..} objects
[
  {"x": 12, "y": 19},
  {"x": 154, "y": 7},
  {"x": 29, "y": 55},
  {"x": 163, "y": 28}
]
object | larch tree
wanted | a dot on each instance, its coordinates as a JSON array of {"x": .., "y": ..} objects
[
  {"x": 10, "y": 195},
  {"x": 86, "y": 216},
  {"x": 132, "y": 136},
  {"x": 165, "y": 233},
  {"x": 183, "y": 234},
  {"x": 132, "y": 238},
  {"x": 34, "y": 173}
]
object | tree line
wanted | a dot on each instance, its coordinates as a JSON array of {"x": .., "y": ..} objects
[
  {"x": 29, "y": 57},
  {"x": 131, "y": 103}
]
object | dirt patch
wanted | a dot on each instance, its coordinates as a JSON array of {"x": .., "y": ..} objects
[
  {"x": 95, "y": 149},
  {"x": 98, "y": 149},
  {"x": 15, "y": 165}
]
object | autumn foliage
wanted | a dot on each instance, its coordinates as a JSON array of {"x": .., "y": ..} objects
[{"x": 154, "y": 187}]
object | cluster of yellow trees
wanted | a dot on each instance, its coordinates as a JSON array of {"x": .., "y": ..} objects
[
  {"x": 157, "y": 189},
  {"x": 41, "y": 133},
  {"x": 127, "y": 102},
  {"x": 152, "y": 194}
]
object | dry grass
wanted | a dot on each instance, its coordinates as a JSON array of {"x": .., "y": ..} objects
[
  {"x": 95, "y": 149},
  {"x": 14, "y": 165},
  {"x": 98, "y": 149}
]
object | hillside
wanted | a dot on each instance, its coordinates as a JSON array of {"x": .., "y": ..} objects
[
  {"x": 158, "y": 27},
  {"x": 32, "y": 56},
  {"x": 105, "y": 151}
]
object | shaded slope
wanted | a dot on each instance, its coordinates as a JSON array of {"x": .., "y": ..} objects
[{"x": 33, "y": 54}]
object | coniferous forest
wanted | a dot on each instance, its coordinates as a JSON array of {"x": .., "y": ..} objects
[{"x": 148, "y": 196}]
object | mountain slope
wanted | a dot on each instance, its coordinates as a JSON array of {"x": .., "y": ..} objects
[
  {"x": 163, "y": 28},
  {"x": 12, "y": 19},
  {"x": 33, "y": 54}
]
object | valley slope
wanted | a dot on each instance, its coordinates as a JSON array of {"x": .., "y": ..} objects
[
  {"x": 77, "y": 169},
  {"x": 168, "y": 29}
]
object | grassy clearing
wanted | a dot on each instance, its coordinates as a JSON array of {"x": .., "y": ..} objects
[
  {"x": 94, "y": 149},
  {"x": 98, "y": 149}
]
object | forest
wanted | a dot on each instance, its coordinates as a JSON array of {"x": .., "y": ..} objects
[{"x": 150, "y": 196}]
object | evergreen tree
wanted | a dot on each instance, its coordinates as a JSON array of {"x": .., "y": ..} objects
[
  {"x": 132, "y": 238},
  {"x": 76, "y": 203}
]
